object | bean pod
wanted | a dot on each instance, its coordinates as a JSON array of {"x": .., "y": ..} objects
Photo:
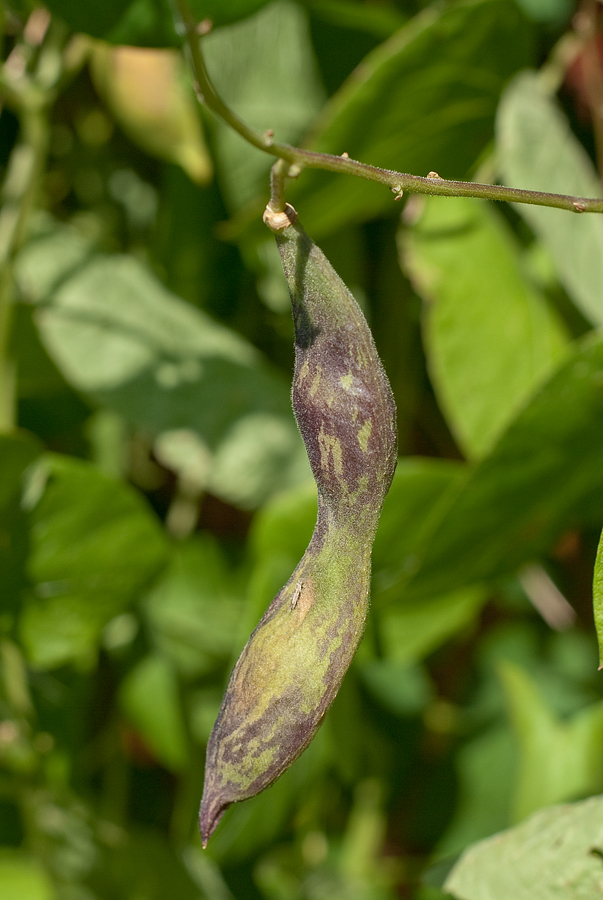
[{"x": 292, "y": 666}]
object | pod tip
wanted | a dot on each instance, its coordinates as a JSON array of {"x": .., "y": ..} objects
[{"x": 212, "y": 810}]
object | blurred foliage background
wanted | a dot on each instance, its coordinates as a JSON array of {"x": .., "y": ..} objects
[{"x": 154, "y": 490}]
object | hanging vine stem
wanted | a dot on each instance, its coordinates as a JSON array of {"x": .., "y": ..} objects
[{"x": 293, "y": 159}]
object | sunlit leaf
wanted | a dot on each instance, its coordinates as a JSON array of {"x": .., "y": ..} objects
[
  {"x": 536, "y": 150},
  {"x": 264, "y": 69},
  {"x": 119, "y": 336},
  {"x": 556, "y": 852},
  {"x": 490, "y": 337},
  {"x": 558, "y": 760},
  {"x": 598, "y": 597},
  {"x": 23, "y": 878}
]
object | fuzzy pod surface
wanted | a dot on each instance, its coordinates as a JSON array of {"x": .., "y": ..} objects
[{"x": 293, "y": 664}]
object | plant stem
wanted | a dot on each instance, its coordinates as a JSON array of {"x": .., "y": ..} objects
[{"x": 298, "y": 158}]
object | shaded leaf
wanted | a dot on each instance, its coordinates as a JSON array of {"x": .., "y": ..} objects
[
  {"x": 548, "y": 457},
  {"x": 94, "y": 546},
  {"x": 409, "y": 632},
  {"x": 558, "y": 849},
  {"x": 490, "y": 337},
  {"x": 423, "y": 100},
  {"x": 97, "y": 19},
  {"x": 420, "y": 488},
  {"x": 149, "y": 696},
  {"x": 194, "y": 609},
  {"x": 536, "y": 150}
]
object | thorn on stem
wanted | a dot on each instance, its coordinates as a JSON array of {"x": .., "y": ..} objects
[
  {"x": 345, "y": 155},
  {"x": 579, "y": 207},
  {"x": 433, "y": 175},
  {"x": 397, "y": 190}
]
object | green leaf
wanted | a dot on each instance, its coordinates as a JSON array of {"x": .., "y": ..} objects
[
  {"x": 23, "y": 878},
  {"x": 221, "y": 13},
  {"x": 409, "y": 632},
  {"x": 419, "y": 489},
  {"x": 423, "y": 100},
  {"x": 403, "y": 689},
  {"x": 94, "y": 546},
  {"x": 536, "y": 150},
  {"x": 265, "y": 70},
  {"x": 543, "y": 476},
  {"x": 119, "y": 336},
  {"x": 556, "y": 852},
  {"x": 194, "y": 609},
  {"x": 96, "y": 19},
  {"x": 490, "y": 337},
  {"x": 558, "y": 760},
  {"x": 149, "y": 696},
  {"x": 598, "y": 598}
]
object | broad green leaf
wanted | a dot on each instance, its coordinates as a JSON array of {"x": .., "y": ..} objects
[
  {"x": 409, "y": 632},
  {"x": 558, "y": 760},
  {"x": 554, "y": 855},
  {"x": 150, "y": 698},
  {"x": 23, "y": 878},
  {"x": 424, "y": 100},
  {"x": 598, "y": 598},
  {"x": 147, "y": 92},
  {"x": 194, "y": 609},
  {"x": 97, "y": 19},
  {"x": 95, "y": 545},
  {"x": 264, "y": 69},
  {"x": 543, "y": 476},
  {"x": 536, "y": 150},
  {"x": 120, "y": 337},
  {"x": 381, "y": 21},
  {"x": 403, "y": 689},
  {"x": 419, "y": 489},
  {"x": 220, "y": 12},
  {"x": 490, "y": 337}
]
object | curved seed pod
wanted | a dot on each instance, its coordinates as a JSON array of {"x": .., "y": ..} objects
[{"x": 292, "y": 666}]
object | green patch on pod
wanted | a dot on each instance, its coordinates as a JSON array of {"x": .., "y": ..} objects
[{"x": 293, "y": 664}]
